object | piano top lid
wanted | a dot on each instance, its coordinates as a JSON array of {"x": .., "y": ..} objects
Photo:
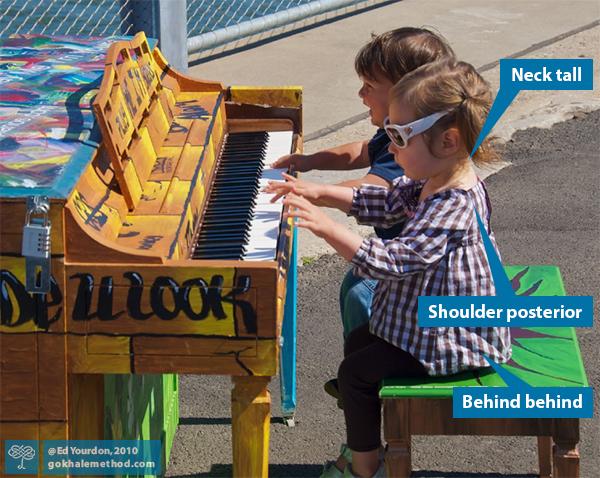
[{"x": 48, "y": 133}]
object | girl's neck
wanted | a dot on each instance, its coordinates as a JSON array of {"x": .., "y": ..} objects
[{"x": 460, "y": 176}]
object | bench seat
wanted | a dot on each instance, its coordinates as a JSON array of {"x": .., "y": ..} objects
[{"x": 548, "y": 357}]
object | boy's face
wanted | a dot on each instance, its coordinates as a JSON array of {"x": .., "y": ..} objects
[{"x": 374, "y": 95}]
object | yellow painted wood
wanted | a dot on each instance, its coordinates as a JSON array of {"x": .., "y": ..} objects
[
  {"x": 175, "y": 197},
  {"x": 97, "y": 216},
  {"x": 266, "y": 361},
  {"x": 133, "y": 182},
  {"x": 99, "y": 344},
  {"x": 152, "y": 198},
  {"x": 79, "y": 360},
  {"x": 166, "y": 163},
  {"x": 251, "y": 413},
  {"x": 86, "y": 420},
  {"x": 143, "y": 155},
  {"x": 151, "y": 232},
  {"x": 287, "y": 96}
]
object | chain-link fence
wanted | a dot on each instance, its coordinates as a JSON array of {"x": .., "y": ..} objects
[
  {"x": 208, "y": 15},
  {"x": 66, "y": 17},
  {"x": 213, "y": 26}
]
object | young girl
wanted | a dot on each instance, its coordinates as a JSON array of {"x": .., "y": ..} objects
[{"x": 435, "y": 116}]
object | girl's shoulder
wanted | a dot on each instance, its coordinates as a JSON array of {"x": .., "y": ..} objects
[
  {"x": 459, "y": 195},
  {"x": 454, "y": 205}
]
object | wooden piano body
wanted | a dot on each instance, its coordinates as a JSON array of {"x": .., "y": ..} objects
[{"x": 125, "y": 298}]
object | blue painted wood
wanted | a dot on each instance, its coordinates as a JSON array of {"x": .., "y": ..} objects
[{"x": 287, "y": 370}]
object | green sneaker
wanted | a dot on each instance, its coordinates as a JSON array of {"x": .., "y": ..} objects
[
  {"x": 380, "y": 473},
  {"x": 346, "y": 452},
  {"x": 331, "y": 387},
  {"x": 332, "y": 471}
]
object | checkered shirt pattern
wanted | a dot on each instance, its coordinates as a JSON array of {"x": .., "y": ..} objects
[{"x": 439, "y": 253}]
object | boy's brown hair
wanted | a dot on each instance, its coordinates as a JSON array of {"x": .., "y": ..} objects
[
  {"x": 395, "y": 53},
  {"x": 450, "y": 85}
]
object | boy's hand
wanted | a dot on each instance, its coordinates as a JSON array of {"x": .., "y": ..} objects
[
  {"x": 309, "y": 216},
  {"x": 298, "y": 161},
  {"x": 306, "y": 189}
]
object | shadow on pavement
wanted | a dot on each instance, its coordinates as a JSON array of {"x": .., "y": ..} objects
[
  {"x": 461, "y": 474},
  {"x": 218, "y": 420},
  {"x": 306, "y": 470},
  {"x": 275, "y": 471}
]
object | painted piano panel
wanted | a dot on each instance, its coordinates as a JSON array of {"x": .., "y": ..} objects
[{"x": 127, "y": 150}]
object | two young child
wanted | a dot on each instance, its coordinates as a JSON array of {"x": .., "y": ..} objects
[{"x": 435, "y": 115}]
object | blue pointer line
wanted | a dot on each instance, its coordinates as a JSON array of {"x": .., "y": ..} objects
[
  {"x": 504, "y": 98},
  {"x": 503, "y": 286},
  {"x": 511, "y": 380}
]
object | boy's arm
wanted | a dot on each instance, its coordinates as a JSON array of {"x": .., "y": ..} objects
[{"x": 348, "y": 156}]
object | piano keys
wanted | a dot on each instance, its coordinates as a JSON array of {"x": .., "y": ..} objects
[
  {"x": 240, "y": 222},
  {"x": 144, "y": 277}
]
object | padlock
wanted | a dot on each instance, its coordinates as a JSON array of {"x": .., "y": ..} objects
[{"x": 36, "y": 246}]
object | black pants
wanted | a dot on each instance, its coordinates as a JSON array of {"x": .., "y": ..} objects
[{"x": 368, "y": 360}]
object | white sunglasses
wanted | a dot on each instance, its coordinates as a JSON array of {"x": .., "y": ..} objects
[{"x": 400, "y": 134}]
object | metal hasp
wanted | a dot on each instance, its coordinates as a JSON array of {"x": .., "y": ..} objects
[{"x": 36, "y": 245}]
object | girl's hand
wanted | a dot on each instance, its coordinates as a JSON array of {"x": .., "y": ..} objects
[
  {"x": 310, "y": 216},
  {"x": 306, "y": 189}
]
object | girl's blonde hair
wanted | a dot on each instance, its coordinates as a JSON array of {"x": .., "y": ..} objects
[{"x": 450, "y": 85}]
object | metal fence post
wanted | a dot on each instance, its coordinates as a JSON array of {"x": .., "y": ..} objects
[{"x": 165, "y": 20}]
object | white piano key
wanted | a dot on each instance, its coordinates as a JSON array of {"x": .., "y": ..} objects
[{"x": 264, "y": 229}]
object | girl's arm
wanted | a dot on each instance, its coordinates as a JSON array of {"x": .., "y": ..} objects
[
  {"x": 326, "y": 195},
  {"x": 377, "y": 206},
  {"x": 425, "y": 241},
  {"x": 310, "y": 217}
]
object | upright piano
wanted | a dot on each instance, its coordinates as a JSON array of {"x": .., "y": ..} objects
[{"x": 135, "y": 238}]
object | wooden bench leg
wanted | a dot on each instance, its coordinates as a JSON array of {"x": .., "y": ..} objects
[
  {"x": 250, "y": 421},
  {"x": 396, "y": 426},
  {"x": 545, "y": 456},
  {"x": 565, "y": 452}
]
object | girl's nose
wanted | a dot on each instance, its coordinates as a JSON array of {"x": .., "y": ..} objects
[{"x": 361, "y": 92}]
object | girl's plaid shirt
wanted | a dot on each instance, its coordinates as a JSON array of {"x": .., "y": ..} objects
[{"x": 438, "y": 253}]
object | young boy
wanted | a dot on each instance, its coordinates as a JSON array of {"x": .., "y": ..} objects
[{"x": 380, "y": 64}]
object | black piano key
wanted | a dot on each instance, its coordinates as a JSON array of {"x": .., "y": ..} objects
[{"x": 224, "y": 231}]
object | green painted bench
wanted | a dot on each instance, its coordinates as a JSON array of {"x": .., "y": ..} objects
[{"x": 541, "y": 357}]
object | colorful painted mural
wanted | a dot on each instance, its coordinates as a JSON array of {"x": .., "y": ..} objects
[{"x": 47, "y": 85}]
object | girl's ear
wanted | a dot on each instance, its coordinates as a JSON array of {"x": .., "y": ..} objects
[{"x": 450, "y": 142}]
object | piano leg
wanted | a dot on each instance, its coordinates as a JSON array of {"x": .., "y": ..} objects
[{"x": 250, "y": 421}]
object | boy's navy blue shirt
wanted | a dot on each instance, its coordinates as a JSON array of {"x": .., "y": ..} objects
[{"x": 384, "y": 166}]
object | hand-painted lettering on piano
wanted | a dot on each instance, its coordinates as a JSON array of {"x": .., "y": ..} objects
[
  {"x": 191, "y": 110},
  {"x": 95, "y": 217},
  {"x": 165, "y": 299},
  {"x": 163, "y": 164},
  {"x": 17, "y": 306},
  {"x": 148, "y": 242}
]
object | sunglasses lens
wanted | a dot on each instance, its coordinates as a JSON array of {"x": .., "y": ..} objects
[{"x": 396, "y": 138}]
